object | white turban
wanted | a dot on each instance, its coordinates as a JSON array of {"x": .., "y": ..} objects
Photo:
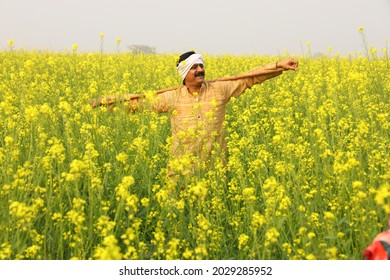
[{"x": 185, "y": 65}]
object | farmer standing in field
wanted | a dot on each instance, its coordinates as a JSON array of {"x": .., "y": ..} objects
[{"x": 198, "y": 107}]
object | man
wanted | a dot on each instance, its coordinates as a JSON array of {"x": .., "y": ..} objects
[{"x": 198, "y": 107}]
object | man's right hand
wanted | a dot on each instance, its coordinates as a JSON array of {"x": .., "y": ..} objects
[{"x": 106, "y": 100}]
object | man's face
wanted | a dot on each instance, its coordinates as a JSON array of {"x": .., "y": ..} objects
[{"x": 195, "y": 75}]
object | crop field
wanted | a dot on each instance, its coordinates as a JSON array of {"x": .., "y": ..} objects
[{"x": 306, "y": 176}]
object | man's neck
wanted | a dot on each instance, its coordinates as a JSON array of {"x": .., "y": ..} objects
[{"x": 194, "y": 88}]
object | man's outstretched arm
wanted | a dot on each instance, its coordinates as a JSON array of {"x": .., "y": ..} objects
[{"x": 271, "y": 70}]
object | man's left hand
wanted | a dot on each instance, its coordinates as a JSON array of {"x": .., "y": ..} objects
[{"x": 289, "y": 64}]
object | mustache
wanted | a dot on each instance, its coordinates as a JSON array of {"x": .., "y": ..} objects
[{"x": 199, "y": 74}]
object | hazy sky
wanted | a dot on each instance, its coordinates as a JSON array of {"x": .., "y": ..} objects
[{"x": 207, "y": 26}]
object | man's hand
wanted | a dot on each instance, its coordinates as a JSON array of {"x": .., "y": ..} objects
[
  {"x": 289, "y": 64},
  {"x": 107, "y": 100},
  {"x": 104, "y": 100}
]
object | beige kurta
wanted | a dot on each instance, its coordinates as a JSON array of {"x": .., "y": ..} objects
[{"x": 197, "y": 118}]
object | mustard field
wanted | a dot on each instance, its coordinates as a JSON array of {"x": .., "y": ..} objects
[{"x": 306, "y": 176}]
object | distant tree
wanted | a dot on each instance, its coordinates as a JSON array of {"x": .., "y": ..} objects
[{"x": 136, "y": 49}]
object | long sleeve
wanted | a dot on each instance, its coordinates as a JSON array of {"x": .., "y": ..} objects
[
  {"x": 235, "y": 88},
  {"x": 165, "y": 102}
]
